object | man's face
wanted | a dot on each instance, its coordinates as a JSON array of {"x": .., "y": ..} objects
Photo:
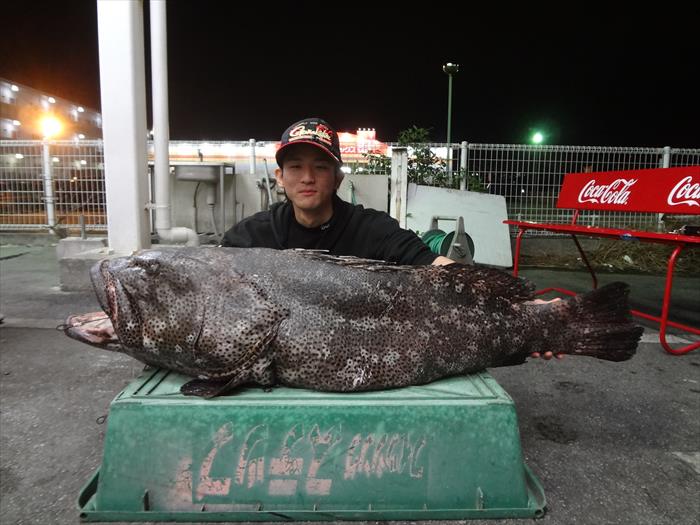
[{"x": 308, "y": 176}]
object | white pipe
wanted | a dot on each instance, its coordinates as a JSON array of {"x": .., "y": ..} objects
[
  {"x": 161, "y": 131},
  {"x": 123, "y": 94},
  {"x": 252, "y": 155}
]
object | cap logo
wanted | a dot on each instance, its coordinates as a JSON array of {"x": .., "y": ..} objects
[{"x": 321, "y": 132}]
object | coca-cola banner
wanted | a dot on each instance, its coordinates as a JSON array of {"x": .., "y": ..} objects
[{"x": 663, "y": 190}]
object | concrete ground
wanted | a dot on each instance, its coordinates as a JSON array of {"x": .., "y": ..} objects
[{"x": 612, "y": 443}]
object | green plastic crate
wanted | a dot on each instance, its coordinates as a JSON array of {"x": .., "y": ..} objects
[{"x": 447, "y": 450}]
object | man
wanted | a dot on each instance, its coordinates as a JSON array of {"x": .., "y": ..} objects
[{"x": 314, "y": 217}]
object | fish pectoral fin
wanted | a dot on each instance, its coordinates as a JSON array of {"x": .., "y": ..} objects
[{"x": 209, "y": 388}]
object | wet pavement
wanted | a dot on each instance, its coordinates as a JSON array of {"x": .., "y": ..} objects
[{"x": 611, "y": 442}]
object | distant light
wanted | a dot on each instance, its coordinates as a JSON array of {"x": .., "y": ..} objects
[
  {"x": 81, "y": 136},
  {"x": 16, "y": 123},
  {"x": 55, "y": 160},
  {"x": 19, "y": 156},
  {"x": 83, "y": 162},
  {"x": 50, "y": 126},
  {"x": 345, "y": 169},
  {"x": 14, "y": 88},
  {"x": 81, "y": 109},
  {"x": 537, "y": 138}
]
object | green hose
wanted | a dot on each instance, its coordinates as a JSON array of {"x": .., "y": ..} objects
[{"x": 438, "y": 241}]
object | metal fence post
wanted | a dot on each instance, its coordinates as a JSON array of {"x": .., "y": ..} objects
[
  {"x": 399, "y": 185},
  {"x": 48, "y": 185},
  {"x": 665, "y": 163},
  {"x": 667, "y": 157},
  {"x": 463, "y": 165}
]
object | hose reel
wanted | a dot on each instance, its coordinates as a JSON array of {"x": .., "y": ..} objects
[{"x": 456, "y": 245}]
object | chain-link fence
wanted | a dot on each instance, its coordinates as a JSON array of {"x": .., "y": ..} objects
[
  {"x": 528, "y": 177},
  {"x": 54, "y": 184}
]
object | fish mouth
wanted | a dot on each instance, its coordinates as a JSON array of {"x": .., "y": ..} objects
[
  {"x": 94, "y": 328},
  {"x": 97, "y": 328},
  {"x": 104, "y": 285}
]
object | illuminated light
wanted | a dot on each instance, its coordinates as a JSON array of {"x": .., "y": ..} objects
[
  {"x": 19, "y": 156},
  {"x": 74, "y": 178},
  {"x": 50, "y": 126},
  {"x": 346, "y": 169},
  {"x": 81, "y": 136},
  {"x": 52, "y": 100},
  {"x": 55, "y": 160},
  {"x": 83, "y": 162},
  {"x": 16, "y": 123},
  {"x": 14, "y": 88},
  {"x": 537, "y": 137},
  {"x": 81, "y": 109}
]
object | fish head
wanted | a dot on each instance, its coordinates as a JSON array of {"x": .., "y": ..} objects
[
  {"x": 153, "y": 298},
  {"x": 185, "y": 310}
]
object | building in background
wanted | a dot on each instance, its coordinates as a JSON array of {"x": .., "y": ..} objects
[
  {"x": 23, "y": 109},
  {"x": 354, "y": 146}
]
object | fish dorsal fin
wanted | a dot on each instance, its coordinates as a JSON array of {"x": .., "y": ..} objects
[
  {"x": 352, "y": 261},
  {"x": 489, "y": 283}
]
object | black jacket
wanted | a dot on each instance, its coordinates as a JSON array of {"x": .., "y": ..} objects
[{"x": 353, "y": 230}]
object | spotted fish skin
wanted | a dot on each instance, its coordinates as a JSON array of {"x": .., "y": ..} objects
[{"x": 341, "y": 324}]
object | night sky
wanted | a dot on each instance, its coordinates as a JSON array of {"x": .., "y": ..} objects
[{"x": 585, "y": 74}]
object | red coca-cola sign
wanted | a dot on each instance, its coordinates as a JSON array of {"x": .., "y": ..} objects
[{"x": 662, "y": 190}]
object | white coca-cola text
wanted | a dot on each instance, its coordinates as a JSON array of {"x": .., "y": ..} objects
[
  {"x": 685, "y": 192},
  {"x": 617, "y": 192}
]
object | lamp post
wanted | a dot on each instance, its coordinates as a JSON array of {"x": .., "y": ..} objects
[{"x": 450, "y": 69}]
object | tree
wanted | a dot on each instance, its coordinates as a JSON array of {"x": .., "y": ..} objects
[{"x": 424, "y": 167}]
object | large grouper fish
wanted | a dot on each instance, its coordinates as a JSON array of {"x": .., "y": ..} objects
[{"x": 229, "y": 316}]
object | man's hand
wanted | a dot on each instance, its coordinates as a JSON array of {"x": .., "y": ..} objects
[
  {"x": 442, "y": 261},
  {"x": 547, "y": 355}
]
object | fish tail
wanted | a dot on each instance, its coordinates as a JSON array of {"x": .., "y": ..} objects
[{"x": 599, "y": 324}]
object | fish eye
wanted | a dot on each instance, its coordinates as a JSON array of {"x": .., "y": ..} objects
[{"x": 152, "y": 267}]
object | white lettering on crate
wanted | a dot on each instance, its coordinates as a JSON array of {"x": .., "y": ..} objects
[{"x": 296, "y": 462}]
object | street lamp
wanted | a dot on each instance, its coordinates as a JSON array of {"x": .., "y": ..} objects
[
  {"x": 450, "y": 69},
  {"x": 537, "y": 137}
]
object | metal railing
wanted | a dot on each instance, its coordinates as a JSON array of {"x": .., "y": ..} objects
[
  {"x": 52, "y": 185},
  {"x": 529, "y": 177}
]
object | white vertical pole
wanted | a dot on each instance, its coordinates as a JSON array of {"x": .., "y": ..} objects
[
  {"x": 252, "y": 159},
  {"x": 48, "y": 185},
  {"x": 161, "y": 129},
  {"x": 399, "y": 185},
  {"x": 123, "y": 93},
  {"x": 665, "y": 163},
  {"x": 463, "y": 166}
]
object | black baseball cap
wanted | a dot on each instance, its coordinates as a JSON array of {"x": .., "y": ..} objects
[{"x": 314, "y": 131}]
